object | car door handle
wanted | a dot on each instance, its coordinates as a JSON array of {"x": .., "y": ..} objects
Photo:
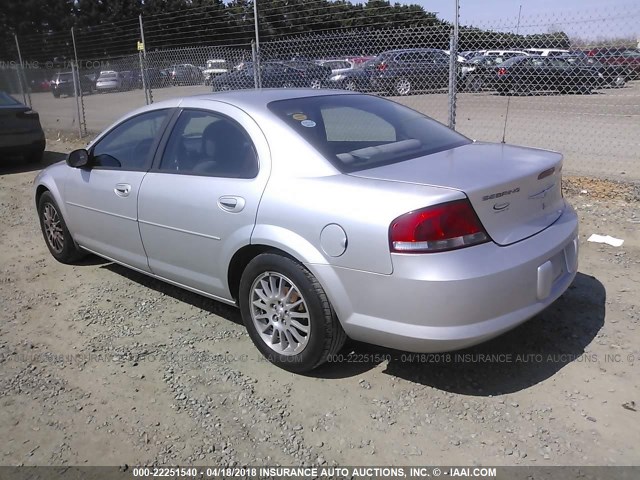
[
  {"x": 231, "y": 203},
  {"x": 122, "y": 189}
]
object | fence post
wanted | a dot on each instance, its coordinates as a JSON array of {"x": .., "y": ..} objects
[
  {"x": 256, "y": 60},
  {"x": 148, "y": 95},
  {"x": 82, "y": 122},
  {"x": 453, "y": 68},
  {"x": 22, "y": 81},
  {"x": 76, "y": 87}
]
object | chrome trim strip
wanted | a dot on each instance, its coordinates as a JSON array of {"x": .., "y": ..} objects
[
  {"x": 101, "y": 211},
  {"x": 197, "y": 234}
]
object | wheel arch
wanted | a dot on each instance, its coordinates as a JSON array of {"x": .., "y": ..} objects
[{"x": 241, "y": 259}]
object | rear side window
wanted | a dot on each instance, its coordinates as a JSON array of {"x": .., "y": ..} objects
[
  {"x": 205, "y": 143},
  {"x": 356, "y": 132}
]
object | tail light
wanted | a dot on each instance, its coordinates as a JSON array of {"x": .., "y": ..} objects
[
  {"x": 447, "y": 226},
  {"x": 381, "y": 67},
  {"x": 502, "y": 71}
]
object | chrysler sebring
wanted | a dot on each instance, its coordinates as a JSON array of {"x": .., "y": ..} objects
[{"x": 322, "y": 215}]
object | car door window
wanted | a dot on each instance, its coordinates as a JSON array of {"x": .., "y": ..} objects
[
  {"x": 128, "y": 146},
  {"x": 203, "y": 143}
]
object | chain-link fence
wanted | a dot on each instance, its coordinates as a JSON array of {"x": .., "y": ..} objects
[{"x": 565, "y": 80}]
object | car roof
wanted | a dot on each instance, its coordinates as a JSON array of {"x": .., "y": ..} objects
[{"x": 251, "y": 99}]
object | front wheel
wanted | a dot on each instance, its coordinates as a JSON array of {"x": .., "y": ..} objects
[
  {"x": 403, "y": 86},
  {"x": 287, "y": 313},
  {"x": 55, "y": 232}
]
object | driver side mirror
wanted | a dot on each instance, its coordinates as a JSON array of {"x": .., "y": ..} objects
[{"x": 78, "y": 158}]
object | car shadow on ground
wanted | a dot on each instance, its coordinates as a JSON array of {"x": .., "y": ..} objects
[
  {"x": 228, "y": 312},
  {"x": 16, "y": 164},
  {"x": 519, "y": 359}
]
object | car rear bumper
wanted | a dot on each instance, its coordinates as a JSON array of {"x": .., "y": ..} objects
[
  {"x": 452, "y": 300},
  {"x": 19, "y": 143}
]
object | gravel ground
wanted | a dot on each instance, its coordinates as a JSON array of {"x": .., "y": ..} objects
[{"x": 103, "y": 366}]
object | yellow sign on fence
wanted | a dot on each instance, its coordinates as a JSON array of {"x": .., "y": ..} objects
[{"x": 140, "y": 46}]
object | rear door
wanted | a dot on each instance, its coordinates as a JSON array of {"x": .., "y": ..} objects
[
  {"x": 101, "y": 201},
  {"x": 198, "y": 205}
]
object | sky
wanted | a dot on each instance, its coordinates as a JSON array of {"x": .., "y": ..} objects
[{"x": 584, "y": 18}]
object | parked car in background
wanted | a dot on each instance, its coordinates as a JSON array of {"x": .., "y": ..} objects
[
  {"x": 214, "y": 68},
  {"x": 62, "y": 84},
  {"x": 337, "y": 65},
  {"x": 156, "y": 77},
  {"x": 478, "y": 72},
  {"x": 21, "y": 133},
  {"x": 536, "y": 74},
  {"x": 293, "y": 74},
  {"x": 546, "y": 52},
  {"x": 402, "y": 72},
  {"x": 185, "y": 74},
  {"x": 612, "y": 75},
  {"x": 393, "y": 230},
  {"x": 504, "y": 54},
  {"x": 355, "y": 79},
  {"x": 131, "y": 79},
  {"x": 109, "y": 81},
  {"x": 629, "y": 58}
]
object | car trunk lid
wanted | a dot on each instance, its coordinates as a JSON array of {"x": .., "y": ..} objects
[{"x": 515, "y": 191}]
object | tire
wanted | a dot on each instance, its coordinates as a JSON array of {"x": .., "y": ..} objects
[
  {"x": 316, "y": 84},
  {"x": 288, "y": 85},
  {"x": 295, "y": 294},
  {"x": 620, "y": 81},
  {"x": 56, "y": 94},
  {"x": 55, "y": 232},
  {"x": 474, "y": 84},
  {"x": 35, "y": 156},
  {"x": 351, "y": 86},
  {"x": 402, "y": 86}
]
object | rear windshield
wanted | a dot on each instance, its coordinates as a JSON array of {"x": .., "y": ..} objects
[
  {"x": 357, "y": 132},
  {"x": 108, "y": 75}
]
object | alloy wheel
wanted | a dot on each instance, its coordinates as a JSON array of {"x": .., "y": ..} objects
[
  {"x": 53, "y": 228},
  {"x": 280, "y": 313}
]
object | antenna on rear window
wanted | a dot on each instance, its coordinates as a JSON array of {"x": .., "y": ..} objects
[{"x": 506, "y": 115}]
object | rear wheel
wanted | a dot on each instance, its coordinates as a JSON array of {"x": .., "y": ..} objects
[
  {"x": 474, "y": 83},
  {"x": 55, "y": 232},
  {"x": 620, "y": 81},
  {"x": 351, "y": 86},
  {"x": 287, "y": 313},
  {"x": 316, "y": 83},
  {"x": 403, "y": 86}
]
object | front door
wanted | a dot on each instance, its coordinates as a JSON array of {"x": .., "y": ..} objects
[{"x": 101, "y": 200}]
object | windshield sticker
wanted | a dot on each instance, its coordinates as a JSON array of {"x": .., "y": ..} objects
[
  {"x": 299, "y": 116},
  {"x": 308, "y": 123}
]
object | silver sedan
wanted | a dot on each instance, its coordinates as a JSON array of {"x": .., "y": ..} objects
[{"x": 321, "y": 215}]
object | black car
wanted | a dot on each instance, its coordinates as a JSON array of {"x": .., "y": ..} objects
[
  {"x": 62, "y": 84},
  {"x": 611, "y": 75},
  {"x": 401, "y": 72},
  {"x": 535, "y": 73},
  {"x": 274, "y": 75},
  {"x": 356, "y": 79},
  {"x": 476, "y": 73},
  {"x": 156, "y": 77},
  {"x": 185, "y": 74},
  {"x": 20, "y": 130}
]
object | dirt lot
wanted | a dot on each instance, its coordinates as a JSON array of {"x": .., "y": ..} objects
[{"x": 103, "y": 366}]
